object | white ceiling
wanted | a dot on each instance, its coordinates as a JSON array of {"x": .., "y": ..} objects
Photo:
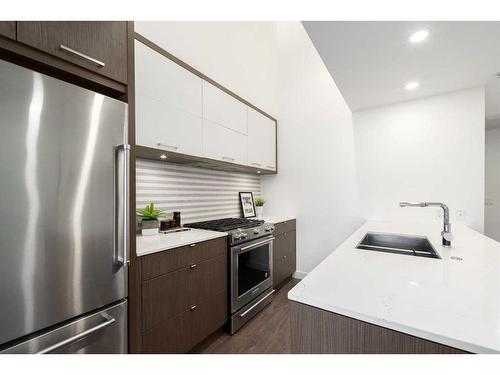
[{"x": 372, "y": 61}]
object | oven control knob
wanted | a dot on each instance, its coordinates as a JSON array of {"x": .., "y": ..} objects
[
  {"x": 256, "y": 231},
  {"x": 236, "y": 236},
  {"x": 244, "y": 235},
  {"x": 269, "y": 229}
]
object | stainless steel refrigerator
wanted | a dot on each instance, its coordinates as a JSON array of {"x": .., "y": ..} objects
[{"x": 63, "y": 216}]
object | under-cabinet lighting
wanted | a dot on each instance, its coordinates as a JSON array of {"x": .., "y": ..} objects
[{"x": 163, "y": 156}]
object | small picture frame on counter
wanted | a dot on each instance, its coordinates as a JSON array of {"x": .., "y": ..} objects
[{"x": 247, "y": 204}]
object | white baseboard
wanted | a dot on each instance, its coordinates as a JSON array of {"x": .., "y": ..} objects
[{"x": 299, "y": 275}]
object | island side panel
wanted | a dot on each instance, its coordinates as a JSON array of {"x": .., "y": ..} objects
[{"x": 322, "y": 332}]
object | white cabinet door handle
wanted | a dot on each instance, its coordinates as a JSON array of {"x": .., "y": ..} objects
[{"x": 164, "y": 145}]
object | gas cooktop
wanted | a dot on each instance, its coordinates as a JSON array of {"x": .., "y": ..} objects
[{"x": 224, "y": 225}]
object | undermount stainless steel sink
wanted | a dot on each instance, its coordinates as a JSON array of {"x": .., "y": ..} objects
[{"x": 398, "y": 244}]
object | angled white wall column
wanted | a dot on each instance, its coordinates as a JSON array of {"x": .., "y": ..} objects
[
  {"x": 492, "y": 184},
  {"x": 316, "y": 179}
]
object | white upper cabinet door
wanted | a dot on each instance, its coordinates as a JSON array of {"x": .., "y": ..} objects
[
  {"x": 261, "y": 141},
  {"x": 223, "y": 109},
  {"x": 224, "y": 144},
  {"x": 168, "y": 104}
]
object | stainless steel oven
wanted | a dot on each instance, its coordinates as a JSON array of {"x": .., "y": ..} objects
[{"x": 251, "y": 279}]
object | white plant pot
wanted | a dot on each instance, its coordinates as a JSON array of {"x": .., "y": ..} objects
[
  {"x": 259, "y": 211},
  {"x": 150, "y": 232},
  {"x": 150, "y": 227}
]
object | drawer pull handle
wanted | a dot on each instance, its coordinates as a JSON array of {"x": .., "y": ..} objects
[
  {"x": 192, "y": 308},
  {"x": 100, "y": 64},
  {"x": 192, "y": 245},
  {"x": 284, "y": 234},
  {"x": 284, "y": 256},
  {"x": 192, "y": 266}
]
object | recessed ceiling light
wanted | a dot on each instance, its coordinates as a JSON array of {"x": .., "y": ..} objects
[
  {"x": 419, "y": 36},
  {"x": 411, "y": 85},
  {"x": 163, "y": 156}
]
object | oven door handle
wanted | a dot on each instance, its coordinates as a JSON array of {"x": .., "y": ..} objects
[{"x": 245, "y": 248}]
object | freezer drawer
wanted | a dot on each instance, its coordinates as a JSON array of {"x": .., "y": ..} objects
[{"x": 102, "y": 332}]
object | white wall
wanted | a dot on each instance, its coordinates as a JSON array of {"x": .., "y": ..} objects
[
  {"x": 423, "y": 150},
  {"x": 492, "y": 184},
  {"x": 316, "y": 179},
  {"x": 239, "y": 55}
]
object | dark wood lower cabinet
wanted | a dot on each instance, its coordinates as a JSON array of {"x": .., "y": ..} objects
[
  {"x": 167, "y": 295},
  {"x": 182, "y": 332},
  {"x": 8, "y": 29},
  {"x": 316, "y": 331},
  {"x": 284, "y": 252},
  {"x": 184, "y": 296}
]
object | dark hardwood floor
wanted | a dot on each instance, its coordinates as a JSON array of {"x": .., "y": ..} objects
[{"x": 267, "y": 333}]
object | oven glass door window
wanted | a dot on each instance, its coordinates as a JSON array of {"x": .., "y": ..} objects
[{"x": 253, "y": 268}]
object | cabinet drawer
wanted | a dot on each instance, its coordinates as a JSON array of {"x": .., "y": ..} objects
[
  {"x": 87, "y": 44},
  {"x": 285, "y": 267},
  {"x": 176, "y": 292},
  {"x": 181, "y": 257},
  {"x": 182, "y": 332},
  {"x": 284, "y": 226},
  {"x": 164, "y": 297}
]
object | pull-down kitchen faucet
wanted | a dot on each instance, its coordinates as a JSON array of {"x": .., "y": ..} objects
[{"x": 446, "y": 233}]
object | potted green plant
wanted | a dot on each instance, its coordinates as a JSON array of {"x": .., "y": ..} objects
[
  {"x": 149, "y": 216},
  {"x": 259, "y": 207}
]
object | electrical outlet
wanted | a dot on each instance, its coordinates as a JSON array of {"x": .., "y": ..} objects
[{"x": 461, "y": 215}]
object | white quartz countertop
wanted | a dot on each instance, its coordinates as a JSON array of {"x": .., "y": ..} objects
[
  {"x": 166, "y": 241},
  {"x": 276, "y": 219},
  {"x": 453, "y": 301}
]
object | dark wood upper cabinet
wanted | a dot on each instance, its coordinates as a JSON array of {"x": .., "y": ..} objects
[
  {"x": 8, "y": 29},
  {"x": 97, "y": 46}
]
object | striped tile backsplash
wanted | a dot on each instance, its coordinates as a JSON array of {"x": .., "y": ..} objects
[{"x": 198, "y": 193}]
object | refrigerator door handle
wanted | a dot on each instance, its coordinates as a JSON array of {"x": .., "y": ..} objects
[
  {"x": 108, "y": 321},
  {"x": 122, "y": 161}
]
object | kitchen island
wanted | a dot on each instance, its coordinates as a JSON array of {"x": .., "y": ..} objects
[{"x": 361, "y": 301}]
